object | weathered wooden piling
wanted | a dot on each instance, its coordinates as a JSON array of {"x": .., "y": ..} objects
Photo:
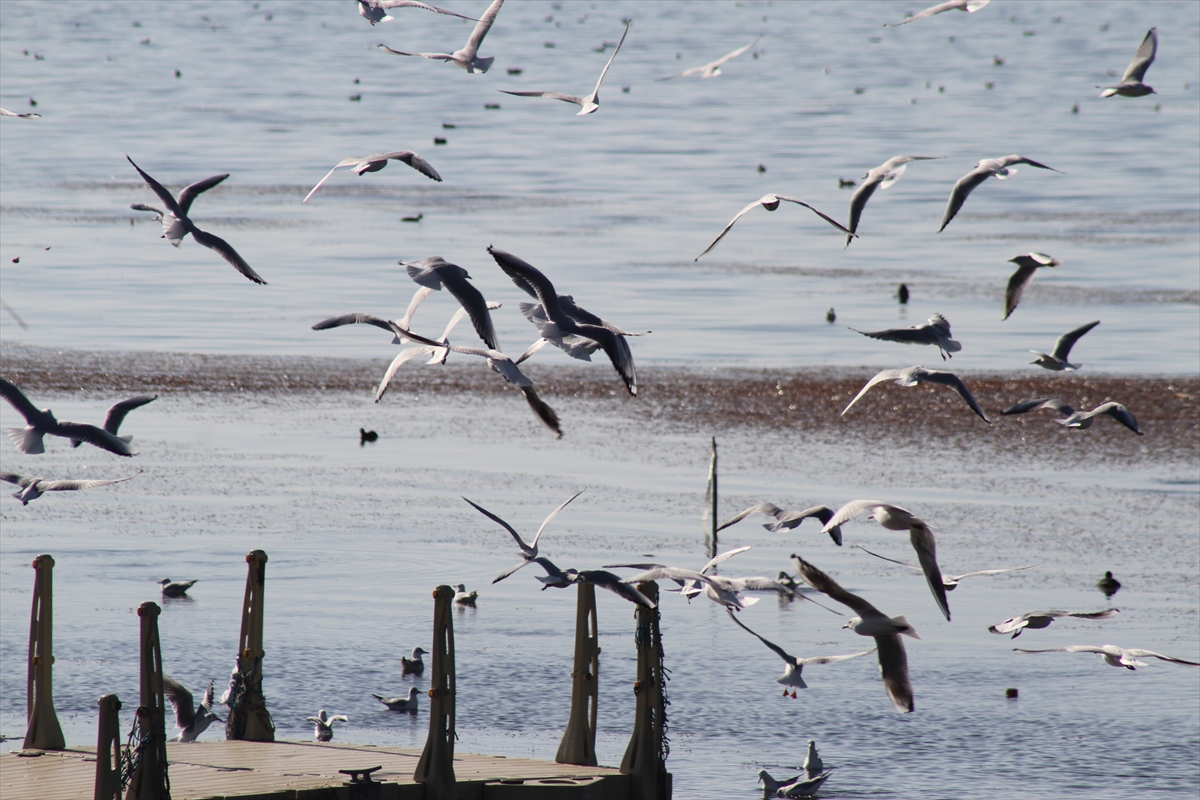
[
  {"x": 248, "y": 717},
  {"x": 578, "y": 745},
  {"x": 108, "y": 750},
  {"x": 645, "y": 757},
  {"x": 149, "y": 780},
  {"x": 435, "y": 769},
  {"x": 42, "y": 731}
]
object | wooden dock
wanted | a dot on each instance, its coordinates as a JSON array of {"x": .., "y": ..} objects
[{"x": 308, "y": 771}]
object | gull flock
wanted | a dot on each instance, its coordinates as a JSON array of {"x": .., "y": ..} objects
[{"x": 563, "y": 324}]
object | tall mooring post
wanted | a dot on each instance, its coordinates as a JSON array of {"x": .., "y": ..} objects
[
  {"x": 42, "y": 731},
  {"x": 436, "y": 768},
  {"x": 578, "y": 745},
  {"x": 645, "y": 757},
  {"x": 708, "y": 519},
  {"x": 108, "y": 750},
  {"x": 248, "y": 718},
  {"x": 149, "y": 780}
]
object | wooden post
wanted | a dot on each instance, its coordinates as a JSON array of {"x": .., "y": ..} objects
[
  {"x": 248, "y": 718},
  {"x": 708, "y": 519},
  {"x": 436, "y": 768},
  {"x": 645, "y": 757},
  {"x": 578, "y": 744},
  {"x": 42, "y": 731},
  {"x": 149, "y": 780},
  {"x": 108, "y": 750}
]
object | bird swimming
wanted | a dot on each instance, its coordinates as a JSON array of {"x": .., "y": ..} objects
[
  {"x": 414, "y": 665},
  {"x": 1108, "y": 584},
  {"x": 172, "y": 588},
  {"x": 463, "y": 597},
  {"x": 408, "y": 704}
]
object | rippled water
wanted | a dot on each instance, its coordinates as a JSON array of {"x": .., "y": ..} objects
[{"x": 615, "y": 207}]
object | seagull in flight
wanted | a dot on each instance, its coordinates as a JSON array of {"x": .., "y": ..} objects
[
  {"x": 920, "y": 536},
  {"x": 1131, "y": 82},
  {"x": 116, "y": 415},
  {"x": 436, "y": 272},
  {"x": 376, "y": 162},
  {"x": 935, "y": 331},
  {"x": 949, "y": 581},
  {"x": 556, "y": 578},
  {"x": 177, "y": 224},
  {"x": 192, "y": 720},
  {"x": 529, "y": 551},
  {"x": 713, "y": 68},
  {"x": 1001, "y": 167},
  {"x": 794, "y": 666},
  {"x": 893, "y": 661},
  {"x": 1057, "y": 361},
  {"x": 1042, "y": 619},
  {"x": 33, "y": 487},
  {"x": 881, "y": 177},
  {"x": 4, "y": 112},
  {"x": 592, "y": 101},
  {"x": 40, "y": 423},
  {"x": 722, "y": 591},
  {"x": 771, "y": 202},
  {"x": 913, "y": 376},
  {"x": 786, "y": 520},
  {"x": 468, "y": 57},
  {"x": 1081, "y": 420},
  {"x": 1027, "y": 266},
  {"x": 687, "y": 587},
  {"x": 1113, "y": 656},
  {"x": 954, "y": 5},
  {"x": 374, "y": 11}
]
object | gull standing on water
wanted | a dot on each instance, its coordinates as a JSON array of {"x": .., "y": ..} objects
[
  {"x": 176, "y": 223},
  {"x": 713, "y": 68},
  {"x": 794, "y": 666},
  {"x": 529, "y": 552},
  {"x": 1057, "y": 361},
  {"x": 1080, "y": 420},
  {"x": 893, "y": 661},
  {"x": 953, "y": 5},
  {"x": 587, "y": 104},
  {"x": 920, "y": 536},
  {"x": 408, "y": 704},
  {"x": 1001, "y": 167},
  {"x": 787, "y": 520},
  {"x": 468, "y": 57},
  {"x": 1131, "y": 82},
  {"x": 376, "y": 10},
  {"x": 1042, "y": 619},
  {"x": 1113, "y": 656},
  {"x": 771, "y": 202},
  {"x": 324, "y": 725},
  {"x": 913, "y": 376},
  {"x": 935, "y": 331},
  {"x": 1027, "y": 266},
  {"x": 192, "y": 720},
  {"x": 376, "y": 162},
  {"x": 949, "y": 581},
  {"x": 880, "y": 177},
  {"x": 33, "y": 487},
  {"x": 116, "y": 415},
  {"x": 42, "y": 423}
]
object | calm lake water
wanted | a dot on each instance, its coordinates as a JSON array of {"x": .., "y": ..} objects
[{"x": 615, "y": 207}]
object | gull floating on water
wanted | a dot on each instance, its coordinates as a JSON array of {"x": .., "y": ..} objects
[
  {"x": 172, "y": 588},
  {"x": 786, "y": 520},
  {"x": 116, "y": 415},
  {"x": 935, "y": 331},
  {"x": 1131, "y": 82},
  {"x": 912, "y": 376},
  {"x": 805, "y": 787},
  {"x": 414, "y": 665},
  {"x": 1113, "y": 656},
  {"x": 528, "y": 551},
  {"x": 468, "y": 57},
  {"x": 771, "y": 202},
  {"x": 954, "y": 5},
  {"x": 880, "y": 177},
  {"x": 1057, "y": 360},
  {"x": 771, "y": 784},
  {"x": 812, "y": 759},
  {"x": 33, "y": 487},
  {"x": 893, "y": 661},
  {"x": 587, "y": 104},
  {"x": 463, "y": 597},
  {"x": 42, "y": 423},
  {"x": 1042, "y": 619},
  {"x": 559, "y": 322},
  {"x": 794, "y": 666},
  {"x": 324, "y": 725},
  {"x": 4, "y": 112},
  {"x": 192, "y": 720},
  {"x": 374, "y": 11},
  {"x": 949, "y": 581},
  {"x": 712, "y": 68},
  {"x": 408, "y": 704},
  {"x": 177, "y": 224},
  {"x": 376, "y": 162},
  {"x": 1027, "y": 266},
  {"x": 1081, "y": 420},
  {"x": 556, "y": 578},
  {"x": 1001, "y": 167},
  {"x": 920, "y": 536}
]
